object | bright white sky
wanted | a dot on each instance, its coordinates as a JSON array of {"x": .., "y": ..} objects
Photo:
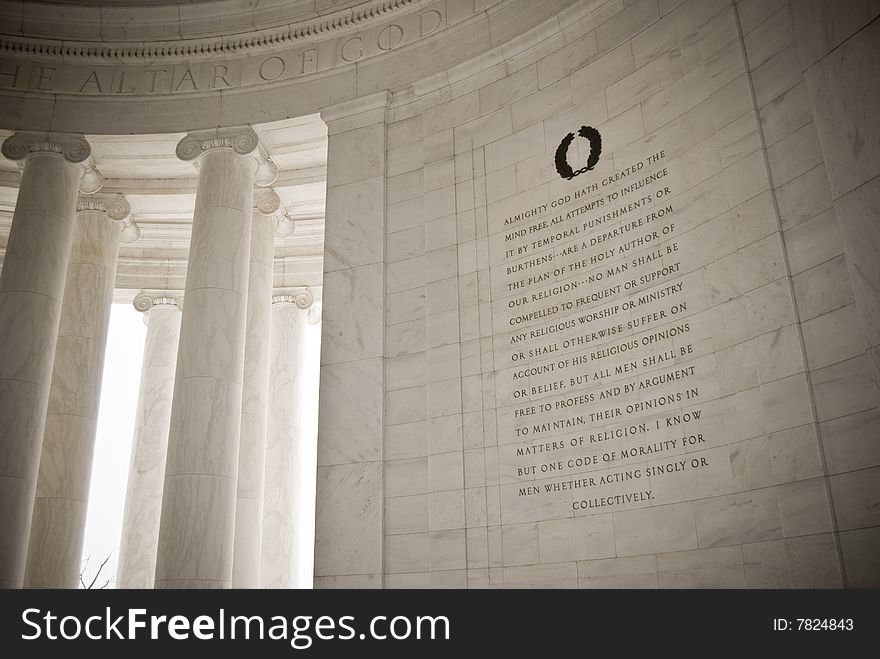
[{"x": 119, "y": 394}]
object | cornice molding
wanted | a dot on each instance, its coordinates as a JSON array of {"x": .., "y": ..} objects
[
  {"x": 240, "y": 44},
  {"x": 362, "y": 105}
]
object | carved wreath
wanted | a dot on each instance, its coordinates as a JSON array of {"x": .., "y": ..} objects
[{"x": 588, "y": 133}]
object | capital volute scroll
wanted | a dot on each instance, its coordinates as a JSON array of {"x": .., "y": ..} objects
[
  {"x": 267, "y": 170},
  {"x": 131, "y": 231},
  {"x": 146, "y": 300},
  {"x": 241, "y": 139},
  {"x": 91, "y": 180},
  {"x": 302, "y": 298},
  {"x": 284, "y": 225},
  {"x": 266, "y": 201},
  {"x": 20, "y": 145},
  {"x": 115, "y": 206}
]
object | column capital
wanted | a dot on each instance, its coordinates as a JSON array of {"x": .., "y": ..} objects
[
  {"x": 91, "y": 180},
  {"x": 284, "y": 226},
  {"x": 267, "y": 170},
  {"x": 241, "y": 139},
  {"x": 301, "y": 297},
  {"x": 131, "y": 231},
  {"x": 24, "y": 143},
  {"x": 115, "y": 206},
  {"x": 146, "y": 300},
  {"x": 266, "y": 201}
]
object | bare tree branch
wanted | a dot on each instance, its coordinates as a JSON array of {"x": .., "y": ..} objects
[
  {"x": 98, "y": 573},
  {"x": 83, "y": 571}
]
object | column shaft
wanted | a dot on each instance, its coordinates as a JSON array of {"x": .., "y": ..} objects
[
  {"x": 284, "y": 449},
  {"x": 31, "y": 289},
  {"x": 59, "y": 517},
  {"x": 146, "y": 474},
  {"x": 254, "y": 408},
  {"x": 198, "y": 501}
]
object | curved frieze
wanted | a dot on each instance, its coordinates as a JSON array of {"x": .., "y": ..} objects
[
  {"x": 110, "y": 88},
  {"x": 146, "y": 32},
  {"x": 202, "y": 65}
]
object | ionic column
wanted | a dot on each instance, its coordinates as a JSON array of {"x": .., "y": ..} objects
[
  {"x": 255, "y": 397},
  {"x": 31, "y": 290},
  {"x": 198, "y": 500},
  {"x": 285, "y": 450},
  {"x": 146, "y": 473},
  {"x": 59, "y": 518}
]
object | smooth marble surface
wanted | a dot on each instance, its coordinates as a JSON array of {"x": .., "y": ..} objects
[
  {"x": 206, "y": 517},
  {"x": 352, "y": 236},
  {"x": 198, "y": 505},
  {"x": 31, "y": 289},
  {"x": 58, "y": 524},
  {"x": 843, "y": 105},
  {"x": 287, "y": 451},
  {"x": 348, "y": 538},
  {"x": 136, "y": 567},
  {"x": 771, "y": 324},
  {"x": 836, "y": 290},
  {"x": 822, "y": 25},
  {"x": 254, "y": 408},
  {"x": 857, "y": 213},
  {"x": 351, "y": 396},
  {"x": 348, "y": 515}
]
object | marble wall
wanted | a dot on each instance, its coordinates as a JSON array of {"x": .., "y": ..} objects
[
  {"x": 656, "y": 373},
  {"x": 349, "y": 490},
  {"x": 838, "y": 48}
]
